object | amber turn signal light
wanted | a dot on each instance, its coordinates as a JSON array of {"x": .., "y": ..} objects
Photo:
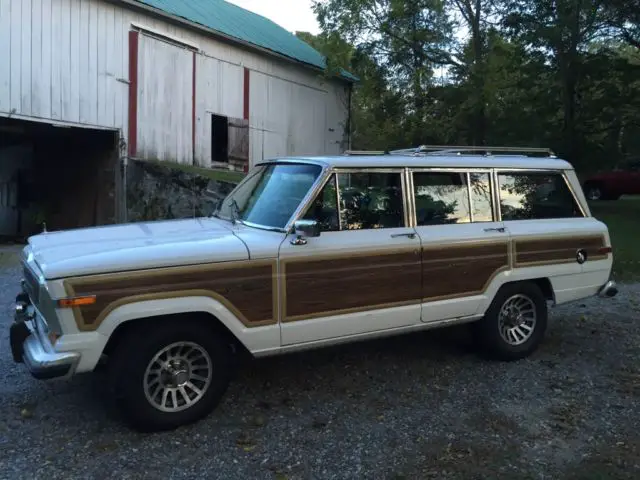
[{"x": 76, "y": 301}]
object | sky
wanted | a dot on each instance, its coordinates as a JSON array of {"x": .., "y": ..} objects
[{"x": 293, "y": 15}]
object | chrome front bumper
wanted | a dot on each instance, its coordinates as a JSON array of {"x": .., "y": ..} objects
[
  {"x": 609, "y": 289},
  {"x": 31, "y": 346}
]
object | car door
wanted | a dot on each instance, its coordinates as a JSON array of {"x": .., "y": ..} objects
[
  {"x": 464, "y": 247},
  {"x": 362, "y": 274}
]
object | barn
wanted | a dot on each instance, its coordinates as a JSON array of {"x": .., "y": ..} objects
[{"x": 87, "y": 85}]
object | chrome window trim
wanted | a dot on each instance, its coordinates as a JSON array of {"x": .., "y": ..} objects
[
  {"x": 410, "y": 199},
  {"x": 573, "y": 194},
  {"x": 338, "y": 198},
  {"x": 489, "y": 173},
  {"x": 562, "y": 173},
  {"x": 316, "y": 188},
  {"x": 467, "y": 172},
  {"x": 399, "y": 170},
  {"x": 496, "y": 195},
  {"x": 469, "y": 199},
  {"x": 287, "y": 228}
]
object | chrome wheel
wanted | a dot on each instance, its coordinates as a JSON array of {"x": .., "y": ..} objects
[
  {"x": 178, "y": 377},
  {"x": 594, "y": 193},
  {"x": 517, "y": 319}
]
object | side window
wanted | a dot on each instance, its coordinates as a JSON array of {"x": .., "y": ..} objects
[
  {"x": 441, "y": 198},
  {"x": 481, "y": 202},
  {"x": 324, "y": 208},
  {"x": 533, "y": 195},
  {"x": 370, "y": 200}
]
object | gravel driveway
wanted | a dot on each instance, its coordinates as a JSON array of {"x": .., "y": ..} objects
[{"x": 421, "y": 406}]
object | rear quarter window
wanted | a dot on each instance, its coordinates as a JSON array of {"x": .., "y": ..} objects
[{"x": 535, "y": 195}]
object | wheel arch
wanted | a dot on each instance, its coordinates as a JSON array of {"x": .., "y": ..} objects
[
  {"x": 205, "y": 319},
  {"x": 208, "y": 312},
  {"x": 543, "y": 283}
]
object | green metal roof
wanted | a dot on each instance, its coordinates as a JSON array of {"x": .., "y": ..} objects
[{"x": 246, "y": 26}]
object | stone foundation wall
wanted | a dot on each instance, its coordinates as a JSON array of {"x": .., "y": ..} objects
[{"x": 158, "y": 192}]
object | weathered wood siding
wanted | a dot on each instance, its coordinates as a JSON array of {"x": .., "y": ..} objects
[
  {"x": 165, "y": 93},
  {"x": 219, "y": 90},
  {"x": 68, "y": 61},
  {"x": 62, "y": 60}
]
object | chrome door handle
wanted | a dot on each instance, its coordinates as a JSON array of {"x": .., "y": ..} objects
[
  {"x": 408, "y": 234},
  {"x": 500, "y": 229}
]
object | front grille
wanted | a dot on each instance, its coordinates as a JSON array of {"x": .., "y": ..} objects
[{"x": 32, "y": 285}]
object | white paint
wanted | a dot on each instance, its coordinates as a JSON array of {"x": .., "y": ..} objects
[
  {"x": 15, "y": 54},
  {"x": 219, "y": 90},
  {"x": 135, "y": 246},
  {"x": 171, "y": 38},
  {"x": 27, "y": 57},
  {"x": 164, "y": 101},
  {"x": 5, "y": 54},
  {"x": 368, "y": 335},
  {"x": 573, "y": 279},
  {"x": 68, "y": 61}
]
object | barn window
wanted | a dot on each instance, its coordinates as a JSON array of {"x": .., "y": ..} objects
[
  {"x": 219, "y": 139},
  {"x": 229, "y": 141}
]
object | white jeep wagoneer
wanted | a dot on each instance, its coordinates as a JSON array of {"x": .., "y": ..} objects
[{"x": 308, "y": 252}]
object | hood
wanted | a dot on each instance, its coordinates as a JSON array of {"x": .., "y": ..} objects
[{"x": 135, "y": 246}]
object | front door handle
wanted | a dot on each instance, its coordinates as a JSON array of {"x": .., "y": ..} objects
[
  {"x": 411, "y": 235},
  {"x": 499, "y": 229}
]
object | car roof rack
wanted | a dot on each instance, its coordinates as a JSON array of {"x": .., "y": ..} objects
[
  {"x": 476, "y": 150},
  {"x": 366, "y": 152}
]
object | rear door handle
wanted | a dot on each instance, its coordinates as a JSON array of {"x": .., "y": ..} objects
[
  {"x": 499, "y": 229},
  {"x": 407, "y": 234}
]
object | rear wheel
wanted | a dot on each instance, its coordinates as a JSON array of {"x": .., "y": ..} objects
[
  {"x": 594, "y": 192},
  {"x": 172, "y": 375},
  {"x": 515, "y": 323}
]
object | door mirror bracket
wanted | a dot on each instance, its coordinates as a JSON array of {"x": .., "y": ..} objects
[{"x": 304, "y": 229}]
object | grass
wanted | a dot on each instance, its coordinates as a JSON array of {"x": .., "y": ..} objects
[
  {"x": 623, "y": 219},
  {"x": 213, "y": 174}
]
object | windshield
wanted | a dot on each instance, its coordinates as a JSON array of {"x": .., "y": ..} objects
[{"x": 270, "y": 194}]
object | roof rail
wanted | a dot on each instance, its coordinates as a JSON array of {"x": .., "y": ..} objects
[
  {"x": 478, "y": 150},
  {"x": 365, "y": 152}
]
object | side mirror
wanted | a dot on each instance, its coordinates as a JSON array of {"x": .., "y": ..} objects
[{"x": 305, "y": 229}]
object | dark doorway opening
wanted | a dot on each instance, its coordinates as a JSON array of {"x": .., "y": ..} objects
[
  {"x": 219, "y": 139},
  {"x": 60, "y": 176}
]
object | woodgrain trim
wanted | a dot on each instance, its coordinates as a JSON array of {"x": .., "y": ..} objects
[
  {"x": 255, "y": 280},
  {"x": 462, "y": 270},
  {"x": 348, "y": 277},
  {"x": 491, "y": 259},
  {"x": 545, "y": 250}
]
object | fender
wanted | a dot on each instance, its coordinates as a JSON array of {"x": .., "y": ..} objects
[{"x": 253, "y": 338}]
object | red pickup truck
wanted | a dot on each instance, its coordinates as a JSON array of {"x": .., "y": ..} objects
[{"x": 613, "y": 184}]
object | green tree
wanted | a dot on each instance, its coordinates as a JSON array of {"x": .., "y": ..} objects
[{"x": 562, "y": 30}]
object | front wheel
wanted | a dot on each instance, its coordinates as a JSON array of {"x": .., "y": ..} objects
[
  {"x": 515, "y": 323},
  {"x": 169, "y": 375}
]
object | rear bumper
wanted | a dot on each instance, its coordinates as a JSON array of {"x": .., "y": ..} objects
[
  {"x": 29, "y": 345},
  {"x": 608, "y": 290}
]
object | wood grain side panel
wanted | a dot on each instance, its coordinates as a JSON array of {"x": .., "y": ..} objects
[
  {"x": 463, "y": 270},
  {"x": 247, "y": 289},
  {"x": 549, "y": 251},
  {"x": 351, "y": 283}
]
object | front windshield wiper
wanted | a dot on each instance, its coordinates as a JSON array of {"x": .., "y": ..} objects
[{"x": 235, "y": 211}]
